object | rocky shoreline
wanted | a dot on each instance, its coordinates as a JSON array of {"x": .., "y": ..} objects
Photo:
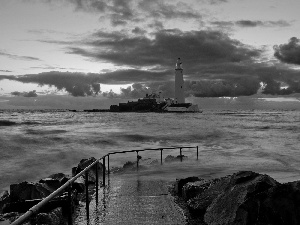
[
  {"x": 244, "y": 198},
  {"x": 24, "y": 195}
]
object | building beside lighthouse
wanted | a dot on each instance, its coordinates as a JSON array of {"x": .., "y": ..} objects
[{"x": 156, "y": 103}]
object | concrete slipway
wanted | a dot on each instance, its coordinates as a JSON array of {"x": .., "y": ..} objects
[{"x": 132, "y": 199}]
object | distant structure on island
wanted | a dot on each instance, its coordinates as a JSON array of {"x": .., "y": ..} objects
[{"x": 156, "y": 103}]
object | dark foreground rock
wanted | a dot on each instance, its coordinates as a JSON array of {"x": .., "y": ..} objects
[
  {"x": 243, "y": 198},
  {"x": 24, "y": 195},
  {"x": 92, "y": 172}
]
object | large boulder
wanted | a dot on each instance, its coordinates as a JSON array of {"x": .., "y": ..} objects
[
  {"x": 54, "y": 217},
  {"x": 4, "y": 199},
  {"x": 55, "y": 181},
  {"x": 28, "y": 191},
  {"x": 241, "y": 187},
  {"x": 243, "y": 198},
  {"x": 92, "y": 172},
  {"x": 280, "y": 205},
  {"x": 179, "y": 184}
]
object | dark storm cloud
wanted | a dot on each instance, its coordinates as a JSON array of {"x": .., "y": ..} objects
[
  {"x": 256, "y": 23},
  {"x": 25, "y": 94},
  {"x": 290, "y": 52},
  {"x": 18, "y": 57},
  {"x": 157, "y": 25},
  {"x": 214, "y": 2},
  {"x": 139, "y": 31},
  {"x": 251, "y": 23},
  {"x": 160, "y": 9},
  {"x": 196, "y": 47},
  {"x": 81, "y": 84},
  {"x": 121, "y": 12},
  {"x": 77, "y": 84}
]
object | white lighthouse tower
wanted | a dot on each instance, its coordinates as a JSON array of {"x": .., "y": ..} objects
[{"x": 179, "y": 89}]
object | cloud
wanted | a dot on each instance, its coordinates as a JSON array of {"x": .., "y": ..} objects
[
  {"x": 121, "y": 13},
  {"x": 77, "y": 84},
  {"x": 25, "y": 94},
  {"x": 6, "y": 71},
  {"x": 195, "y": 47},
  {"x": 18, "y": 57},
  {"x": 139, "y": 31},
  {"x": 161, "y": 9},
  {"x": 250, "y": 23},
  {"x": 290, "y": 52},
  {"x": 256, "y": 23}
]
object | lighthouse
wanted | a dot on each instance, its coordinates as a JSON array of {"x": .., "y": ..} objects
[{"x": 179, "y": 89}]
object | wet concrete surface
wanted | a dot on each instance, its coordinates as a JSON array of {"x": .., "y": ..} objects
[{"x": 132, "y": 199}]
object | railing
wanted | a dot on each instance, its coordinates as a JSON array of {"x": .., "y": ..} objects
[{"x": 68, "y": 185}]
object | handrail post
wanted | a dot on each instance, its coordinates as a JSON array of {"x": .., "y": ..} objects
[
  {"x": 97, "y": 181},
  {"x": 181, "y": 154},
  {"x": 137, "y": 160},
  {"x": 103, "y": 170},
  {"x": 108, "y": 172},
  {"x": 161, "y": 158},
  {"x": 197, "y": 153},
  {"x": 70, "y": 208},
  {"x": 87, "y": 195}
]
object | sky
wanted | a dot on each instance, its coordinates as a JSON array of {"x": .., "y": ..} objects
[{"x": 85, "y": 48}]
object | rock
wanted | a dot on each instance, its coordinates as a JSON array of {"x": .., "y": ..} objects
[
  {"x": 28, "y": 191},
  {"x": 279, "y": 205},
  {"x": 181, "y": 182},
  {"x": 55, "y": 217},
  {"x": 241, "y": 187},
  {"x": 62, "y": 178},
  {"x": 171, "y": 158},
  {"x": 4, "y": 199},
  {"x": 192, "y": 189},
  {"x": 54, "y": 181},
  {"x": 154, "y": 162},
  {"x": 129, "y": 165},
  {"x": 79, "y": 185},
  {"x": 244, "y": 198},
  {"x": 92, "y": 172},
  {"x": 211, "y": 189}
]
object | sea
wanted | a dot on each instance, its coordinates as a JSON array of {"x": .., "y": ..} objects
[{"x": 232, "y": 134}]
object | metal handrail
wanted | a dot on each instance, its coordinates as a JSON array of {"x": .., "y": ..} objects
[{"x": 38, "y": 206}]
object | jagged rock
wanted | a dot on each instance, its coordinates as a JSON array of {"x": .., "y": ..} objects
[
  {"x": 79, "y": 185},
  {"x": 154, "y": 162},
  {"x": 129, "y": 165},
  {"x": 28, "y": 191},
  {"x": 279, "y": 205},
  {"x": 92, "y": 172},
  {"x": 192, "y": 189},
  {"x": 244, "y": 198},
  {"x": 181, "y": 182},
  {"x": 4, "y": 199},
  {"x": 55, "y": 217},
  {"x": 241, "y": 187},
  {"x": 171, "y": 158}
]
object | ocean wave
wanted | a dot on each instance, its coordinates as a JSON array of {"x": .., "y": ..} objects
[
  {"x": 30, "y": 123},
  {"x": 7, "y": 123},
  {"x": 45, "y": 132}
]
